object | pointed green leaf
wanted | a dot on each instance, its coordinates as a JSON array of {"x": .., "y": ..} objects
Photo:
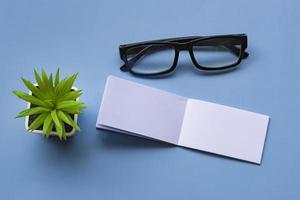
[
  {"x": 37, "y": 122},
  {"x": 47, "y": 123},
  {"x": 67, "y": 85},
  {"x": 31, "y": 99},
  {"x": 71, "y": 111},
  {"x": 67, "y": 119},
  {"x": 39, "y": 80},
  {"x": 64, "y": 118},
  {"x": 57, "y": 77},
  {"x": 55, "y": 119},
  {"x": 50, "y": 129},
  {"x": 33, "y": 88},
  {"x": 46, "y": 80},
  {"x": 59, "y": 86},
  {"x": 59, "y": 130},
  {"x": 69, "y": 104},
  {"x": 32, "y": 111},
  {"x": 73, "y": 95},
  {"x": 51, "y": 80}
]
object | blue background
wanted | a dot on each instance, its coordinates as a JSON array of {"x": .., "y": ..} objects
[{"x": 83, "y": 36}]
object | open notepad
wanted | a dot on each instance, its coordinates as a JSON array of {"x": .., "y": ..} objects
[{"x": 139, "y": 110}]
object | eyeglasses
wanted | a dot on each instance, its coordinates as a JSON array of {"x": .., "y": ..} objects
[{"x": 208, "y": 53}]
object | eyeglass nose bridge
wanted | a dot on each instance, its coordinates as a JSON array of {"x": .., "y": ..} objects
[{"x": 183, "y": 47}]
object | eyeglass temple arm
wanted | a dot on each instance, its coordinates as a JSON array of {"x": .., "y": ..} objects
[
  {"x": 236, "y": 50},
  {"x": 144, "y": 51}
]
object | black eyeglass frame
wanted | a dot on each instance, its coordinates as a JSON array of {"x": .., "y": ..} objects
[{"x": 186, "y": 43}]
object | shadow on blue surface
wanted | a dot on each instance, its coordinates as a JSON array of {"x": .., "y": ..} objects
[
  {"x": 51, "y": 152},
  {"x": 122, "y": 141}
]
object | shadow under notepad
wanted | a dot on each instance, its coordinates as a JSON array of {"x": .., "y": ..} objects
[{"x": 120, "y": 140}]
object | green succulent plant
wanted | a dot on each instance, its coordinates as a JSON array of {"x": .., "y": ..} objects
[{"x": 53, "y": 103}]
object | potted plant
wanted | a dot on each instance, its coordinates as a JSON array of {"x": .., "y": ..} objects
[{"x": 52, "y": 105}]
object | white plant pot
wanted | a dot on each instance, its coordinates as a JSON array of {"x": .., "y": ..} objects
[{"x": 53, "y": 132}]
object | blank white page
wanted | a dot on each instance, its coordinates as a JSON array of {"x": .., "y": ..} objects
[
  {"x": 224, "y": 130},
  {"x": 136, "y": 109}
]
